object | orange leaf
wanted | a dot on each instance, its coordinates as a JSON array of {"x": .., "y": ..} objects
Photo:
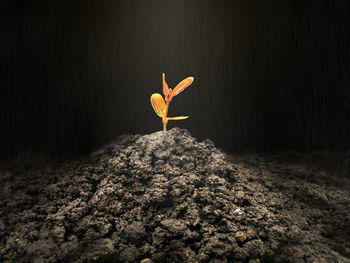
[
  {"x": 158, "y": 104},
  {"x": 165, "y": 87},
  {"x": 182, "y": 85}
]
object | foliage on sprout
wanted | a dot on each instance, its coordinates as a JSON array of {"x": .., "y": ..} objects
[{"x": 161, "y": 105}]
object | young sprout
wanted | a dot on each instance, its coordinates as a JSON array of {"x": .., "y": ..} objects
[{"x": 161, "y": 107}]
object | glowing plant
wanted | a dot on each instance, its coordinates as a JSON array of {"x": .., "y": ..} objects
[{"x": 161, "y": 107}]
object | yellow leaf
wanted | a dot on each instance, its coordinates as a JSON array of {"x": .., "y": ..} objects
[
  {"x": 158, "y": 104},
  {"x": 177, "y": 118}
]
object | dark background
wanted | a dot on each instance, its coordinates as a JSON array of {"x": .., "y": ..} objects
[{"x": 269, "y": 75}]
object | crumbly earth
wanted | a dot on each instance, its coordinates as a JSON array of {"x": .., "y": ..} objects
[{"x": 164, "y": 197}]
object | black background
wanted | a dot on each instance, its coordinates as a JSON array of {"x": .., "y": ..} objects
[{"x": 269, "y": 75}]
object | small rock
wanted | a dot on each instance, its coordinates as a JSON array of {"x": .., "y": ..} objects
[
  {"x": 175, "y": 226},
  {"x": 98, "y": 250},
  {"x": 135, "y": 231}
]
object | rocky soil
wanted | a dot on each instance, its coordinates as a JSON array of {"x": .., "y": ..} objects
[{"x": 164, "y": 197}]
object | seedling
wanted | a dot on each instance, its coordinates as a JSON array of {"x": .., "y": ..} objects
[{"x": 161, "y": 107}]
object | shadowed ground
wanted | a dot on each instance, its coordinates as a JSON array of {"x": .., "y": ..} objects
[{"x": 164, "y": 197}]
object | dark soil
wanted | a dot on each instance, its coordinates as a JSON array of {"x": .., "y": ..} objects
[{"x": 165, "y": 197}]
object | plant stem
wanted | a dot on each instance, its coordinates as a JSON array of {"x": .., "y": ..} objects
[{"x": 165, "y": 120}]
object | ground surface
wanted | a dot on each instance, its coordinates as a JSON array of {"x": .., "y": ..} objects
[{"x": 165, "y": 197}]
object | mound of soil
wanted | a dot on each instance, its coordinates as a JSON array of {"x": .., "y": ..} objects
[{"x": 164, "y": 197}]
